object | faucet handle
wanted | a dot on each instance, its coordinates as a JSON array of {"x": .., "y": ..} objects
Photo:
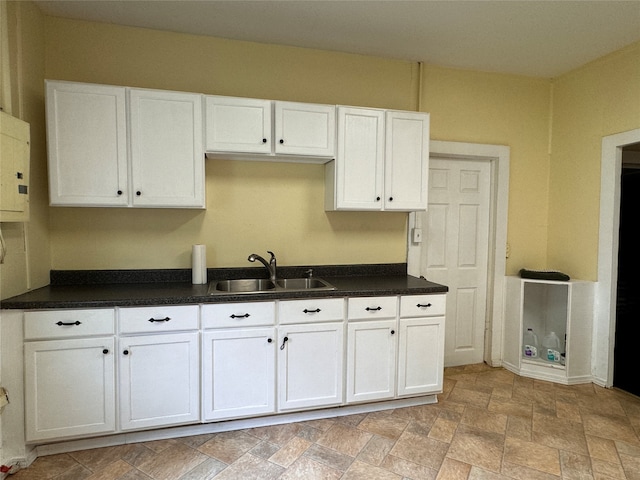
[
  {"x": 309, "y": 272},
  {"x": 273, "y": 255}
]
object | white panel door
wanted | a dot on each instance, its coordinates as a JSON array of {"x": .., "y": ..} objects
[
  {"x": 167, "y": 151},
  {"x": 69, "y": 388},
  {"x": 371, "y": 360},
  {"x": 159, "y": 380},
  {"x": 239, "y": 373},
  {"x": 87, "y": 144},
  {"x": 455, "y": 251},
  {"x": 310, "y": 360},
  {"x": 305, "y": 129}
]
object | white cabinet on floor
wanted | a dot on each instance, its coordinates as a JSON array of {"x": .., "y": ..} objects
[
  {"x": 310, "y": 356},
  {"x": 159, "y": 366},
  {"x": 545, "y": 306},
  {"x": 382, "y": 161},
  {"x": 371, "y": 348},
  {"x": 272, "y": 130},
  {"x": 421, "y": 344},
  {"x": 238, "y": 360},
  {"x": 89, "y": 129},
  {"x": 69, "y": 373}
]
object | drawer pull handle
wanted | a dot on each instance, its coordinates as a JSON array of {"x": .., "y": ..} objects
[
  {"x": 317, "y": 310},
  {"x": 284, "y": 340},
  {"x": 423, "y": 306},
  {"x": 246, "y": 315},
  {"x": 68, "y": 324},
  {"x": 159, "y": 320},
  {"x": 371, "y": 309}
]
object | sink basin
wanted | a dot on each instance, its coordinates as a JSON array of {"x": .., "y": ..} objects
[
  {"x": 245, "y": 285},
  {"x": 304, "y": 284},
  {"x": 261, "y": 285}
]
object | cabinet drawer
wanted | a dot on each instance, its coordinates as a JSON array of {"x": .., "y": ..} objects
[
  {"x": 238, "y": 315},
  {"x": 68, "y": 323},
  {"x": 311, "y": 310},
  {"x": 368, "y": 308},
  {"x": 158, "y": 319},
  {"x": 422, "y": 305}
]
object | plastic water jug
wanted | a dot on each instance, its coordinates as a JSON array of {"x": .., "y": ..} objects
[
  {"x": 551, "y": 347},
  {"x": 530, "y": 344}
]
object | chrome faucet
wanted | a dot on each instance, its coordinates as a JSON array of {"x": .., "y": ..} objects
[{"x": 271, "y": 265}]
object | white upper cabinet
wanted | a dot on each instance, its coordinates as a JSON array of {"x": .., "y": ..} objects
[
  {"x": 90, "y": 129},
  {"x": 406, "y": 161},
  {"x": 305, "y": 129},
  {"x": 240, "y": 125},
  {"x": 167, "y": 158},
  {"x": 381, "y": 163},
  {"x": 87, "y": 143},
  {"x": 268, "y": 130}
]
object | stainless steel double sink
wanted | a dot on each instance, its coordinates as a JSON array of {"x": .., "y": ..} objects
[{"x": 260, "y": 285}]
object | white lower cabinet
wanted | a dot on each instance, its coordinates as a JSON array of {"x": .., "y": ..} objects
[
  {"x": 372, "y": 348},
  {"x": 69, "y": 388},
  {"x": 238, "y": 364},
  {"x": 159, "y": 372},
  {"x": 421, "y": 344},
  {"x": 310, "y": 355},
  {"x": 179, "y": 365},
  {"x": 69, "y": 374}
]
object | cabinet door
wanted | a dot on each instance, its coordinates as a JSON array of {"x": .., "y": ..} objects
[
  {"x": 159, "y": 380},
  {"x": 421, "y": 355},
  {"x": 371, "y": 360},
  {"x": 167, "y": 153},
  {"x": 305, "y": 129},
  {"x": 87, "y": 144},
  {"x": 359, "y": 164},
  {"x": 238, "y": 373},
  {"x": 310, "y": 365},
  {"x": 406, "y": 161},
  {"x": 238, "y": 125},
  {"x": 69, "y": 388}
]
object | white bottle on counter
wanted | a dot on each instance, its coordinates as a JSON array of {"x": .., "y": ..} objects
[{"x": 530, "y": 344}]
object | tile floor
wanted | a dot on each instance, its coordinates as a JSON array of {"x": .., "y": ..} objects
[{"x": 488, "y": 424}]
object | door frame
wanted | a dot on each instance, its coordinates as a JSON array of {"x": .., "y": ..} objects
[
  {"x": 499, "y": 156},
  {"x": 604, "y": 326}
]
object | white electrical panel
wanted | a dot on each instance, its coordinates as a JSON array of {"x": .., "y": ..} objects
[{"x": 14, "y": 169}]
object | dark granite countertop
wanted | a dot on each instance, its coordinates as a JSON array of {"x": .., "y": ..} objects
[{"x": 121, "y": 288}]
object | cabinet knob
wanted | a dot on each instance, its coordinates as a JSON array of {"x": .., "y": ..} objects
[
  {"x": 281, "y": 141},
  {"x": 105, "y": 351},
  {"x": 391, "y": 199},
  {"x": 269, "y": 340},
  {"x": 119, "y": 192},
  {"x": 393, "y": 332},
  {"x": 138, "y": 193},
  {"x": 126, "y": 352},
  {"x": 264, "y": 140},
  {"x": 377, "y": 199}
]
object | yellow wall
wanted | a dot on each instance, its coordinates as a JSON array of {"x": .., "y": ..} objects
[
  {"x": 26, "y": 41},
  {"x": 258, "y": 206},
  {"x": 599, "y": 99}
]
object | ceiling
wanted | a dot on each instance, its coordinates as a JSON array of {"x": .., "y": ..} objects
[{"x": 525, "y": 37}]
